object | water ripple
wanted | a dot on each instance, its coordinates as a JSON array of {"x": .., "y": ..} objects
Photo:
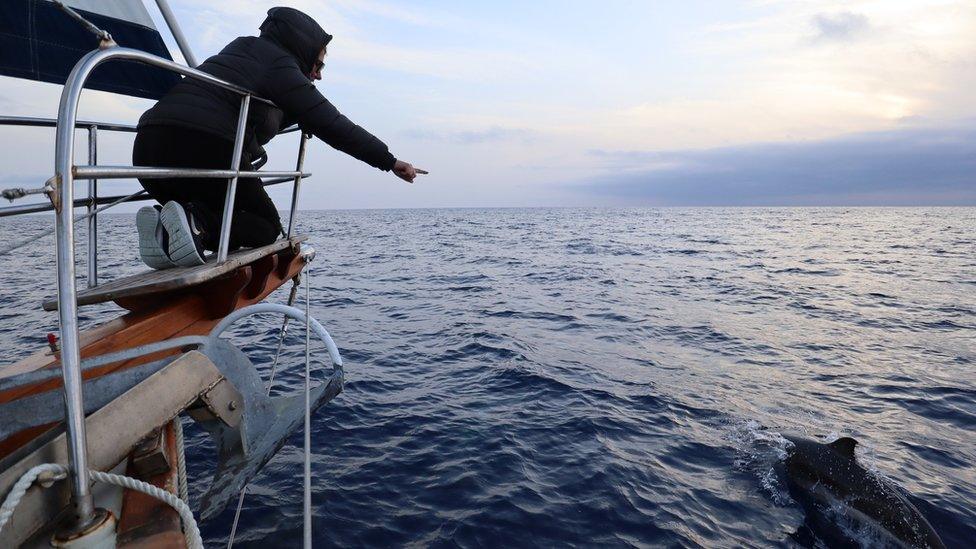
[{"x": 588, "y": 377}]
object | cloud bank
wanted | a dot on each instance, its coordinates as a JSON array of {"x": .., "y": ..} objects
[
  {"x": 915, "y": 167},
  {"x": 473, "y": 137},
  {"x": 842, "y": 26},
  {"x": 505, "y": 105}
]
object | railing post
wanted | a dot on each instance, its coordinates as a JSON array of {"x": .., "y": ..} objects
[
  {"x": 84, "y": 504},
  {"x": 92, "y": 198},
  {"x": 235, "y": 165},
  {"x": 298, "y": 182},
  {"x": 63, "y": 198}
]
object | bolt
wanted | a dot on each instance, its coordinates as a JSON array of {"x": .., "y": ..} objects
[{"x": 232, "y": 405}]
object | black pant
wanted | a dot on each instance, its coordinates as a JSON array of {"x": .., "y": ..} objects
[{"x": 255, "y": 220}]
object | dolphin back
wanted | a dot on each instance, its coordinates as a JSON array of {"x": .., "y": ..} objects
[{"x": 820, "y": 475}]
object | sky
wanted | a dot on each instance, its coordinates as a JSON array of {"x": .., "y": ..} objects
[{"x": 609, "y": 103}]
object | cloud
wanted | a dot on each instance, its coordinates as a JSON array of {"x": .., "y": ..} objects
[
  {"x": 448, "y": 85},
  {"x": 844, "y": 26},
  {"x": 908, "y": 167},
  {"x": 473, "y": 137},
  {"x": 426, "y": 17},
  {"x": 214, "y": 24}
]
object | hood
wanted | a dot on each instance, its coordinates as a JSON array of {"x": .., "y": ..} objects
[{"x": 296, "y": 32}]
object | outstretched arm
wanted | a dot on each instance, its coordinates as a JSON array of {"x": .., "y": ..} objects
[{"x": 294, "y": 93}]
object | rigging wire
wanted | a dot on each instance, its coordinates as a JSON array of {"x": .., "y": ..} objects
[
  {"x": 274, "y": 368},
  {"x": 81, "y": 217},
  {"x": 307, "y": 481},
  {"x": 308, "y": 417}
]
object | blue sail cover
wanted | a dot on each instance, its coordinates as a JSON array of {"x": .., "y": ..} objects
[{"x": 39, "y": 41}]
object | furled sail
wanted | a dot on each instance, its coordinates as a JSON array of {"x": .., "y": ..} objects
[{"x": 39, "y": 41}]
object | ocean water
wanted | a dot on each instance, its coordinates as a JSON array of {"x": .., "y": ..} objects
[{"x": 600, "y": 377}]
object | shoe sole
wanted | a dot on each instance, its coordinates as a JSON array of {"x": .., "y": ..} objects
[
  {"x": 182, "y": 249},
  {"x": 150, "y": 250}
]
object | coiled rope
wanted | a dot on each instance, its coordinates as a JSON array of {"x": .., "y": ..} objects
[
  {"x": 51, "y": 472},
  {"x": 56, "y": 471}
]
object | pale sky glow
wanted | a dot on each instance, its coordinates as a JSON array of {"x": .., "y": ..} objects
[{"x": 548, "y": 102}]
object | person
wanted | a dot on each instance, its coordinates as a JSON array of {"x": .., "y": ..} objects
[{"x": 194, "y": 126}]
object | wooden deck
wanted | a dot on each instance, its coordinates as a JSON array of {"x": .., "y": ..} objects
[
  {"x": 161, "y": 305},
  {"x": 153, "y": 317},
  {"x": 167, "y": 280}
]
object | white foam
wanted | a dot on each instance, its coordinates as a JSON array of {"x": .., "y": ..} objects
[{"x": 760, "y": 450}]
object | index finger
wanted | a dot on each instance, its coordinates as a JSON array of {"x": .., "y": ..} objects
[{"x": 418, "y": 170}]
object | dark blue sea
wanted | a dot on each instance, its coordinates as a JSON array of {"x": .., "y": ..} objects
[{"x": 599, "y": 377}]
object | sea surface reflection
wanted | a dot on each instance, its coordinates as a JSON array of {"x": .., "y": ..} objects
[{"x": 601, "y": 376}]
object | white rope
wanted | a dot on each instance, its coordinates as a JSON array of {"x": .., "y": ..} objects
[
  {"x": 56, "y": 471},
  {"x": 52, "y": 471},
  {"x": 183, "y": 491},
  {"x": 192, "y": 533}
]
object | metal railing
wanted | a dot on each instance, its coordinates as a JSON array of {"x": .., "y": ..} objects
[
  {"x": 93, "y": 172},
  {"x": 92, "y": 202},
  {"x": 53, "y": 123},
  {"x": 92, "y": 275},
  {"x": 65, "y": 175}
]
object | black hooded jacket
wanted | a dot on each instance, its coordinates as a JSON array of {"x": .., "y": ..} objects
[{"x": 274, "y": 66}]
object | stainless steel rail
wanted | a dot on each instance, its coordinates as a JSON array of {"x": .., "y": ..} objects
[
  {"x": 139, "y": 172},
  {"x": 53, "y": 122},
  {"x": 21, "y": 209},
  {"x": 65, "y": 175},
  {"x": 93, "y": 217},
  {"x": 93, "y": 127},
  {"x": 235, "y": 164},
  {"x": 298, "y": 183},
  {"x": 84, "y": 505}
]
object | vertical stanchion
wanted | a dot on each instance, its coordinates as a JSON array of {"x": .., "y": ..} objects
[
  {"x": 93, "y": 219},
  {"x": 235, "y": 165},
  {"x": 81, "y": 495},
  {"x": 308, "y": 417},
  {"x": 298, "y": 182}
]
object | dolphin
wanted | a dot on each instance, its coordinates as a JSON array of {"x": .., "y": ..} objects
[{"x": 821, "y": 476}]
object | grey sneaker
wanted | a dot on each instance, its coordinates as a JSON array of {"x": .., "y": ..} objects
[
  {"x": 152, "y": 239},
  {"x": 182, "y": 243}
]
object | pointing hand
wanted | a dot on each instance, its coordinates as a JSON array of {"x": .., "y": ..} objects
[{"x": 406, "y": 171}]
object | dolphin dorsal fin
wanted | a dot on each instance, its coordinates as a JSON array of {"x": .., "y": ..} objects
[{"x": 844, "y": 445}]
